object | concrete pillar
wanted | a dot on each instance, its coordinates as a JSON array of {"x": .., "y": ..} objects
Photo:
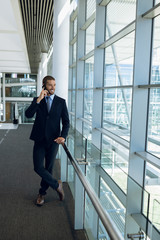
[
  {"x": 61, "y": 46},
  {"x": 42, "y": 72}
]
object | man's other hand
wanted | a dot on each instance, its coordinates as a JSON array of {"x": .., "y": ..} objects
[{"x": 59, "y": 140}]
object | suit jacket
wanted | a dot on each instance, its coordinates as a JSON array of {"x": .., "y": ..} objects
[{"x": 47, "y": 125}]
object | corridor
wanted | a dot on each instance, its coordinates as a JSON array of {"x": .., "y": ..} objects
[{"x": 20, "y": 218}]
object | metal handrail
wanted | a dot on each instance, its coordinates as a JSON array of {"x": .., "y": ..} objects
[{"x": 109, "y": 225}]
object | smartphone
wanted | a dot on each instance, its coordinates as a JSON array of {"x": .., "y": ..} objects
[{"x": 44, "y": 86}]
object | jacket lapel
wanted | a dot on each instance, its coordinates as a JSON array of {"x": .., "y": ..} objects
[
  {"x": 54, "y": 104},
  {"x": 44, "y": 105}
]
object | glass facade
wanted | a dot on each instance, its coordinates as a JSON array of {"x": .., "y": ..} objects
[
  {"x": 118, "y": 15},
  {"x": 88, "y": 93},
  {"x": 154, "y": 102},
  {"x": 116, "y": 83},
  {"x": 16, "y": 88},
  {"x": 90, "y": 32},
  {"x": 90, "y": 7},
  {"x": 119, "y": 59}
]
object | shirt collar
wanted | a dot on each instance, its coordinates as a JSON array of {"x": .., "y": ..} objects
[{"x": 51, "y": 97}]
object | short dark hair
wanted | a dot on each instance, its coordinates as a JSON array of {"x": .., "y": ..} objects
[{"x": 46, "y": 78}]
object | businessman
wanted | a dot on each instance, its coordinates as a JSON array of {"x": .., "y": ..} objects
[{"x": 47, "y": 134}]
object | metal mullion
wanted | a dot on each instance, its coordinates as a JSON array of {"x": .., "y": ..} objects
[
  {"x": 149, "y": 86},
  {"x": 88, "y": 55},
  {"x": 73, "y": 15},
  {"x": 72, "y": 113},
  {"x": 153, "y": 12},
  {"x": 89, "y": 21},
  {"x": 122, "y": 33},
  {"x": 114, "y": 137},
  {"x": 104, "y": 2},
  {"x": 125, "y": 86},
  {"x": 73, "y": 65},
  {"x": 148, "y": 157},
  {"x": 85, "y": 120},
  {"x": 139, "y": 103},
  {"x": 73, "y": 40},
  {"x": 85, "y": 89}
]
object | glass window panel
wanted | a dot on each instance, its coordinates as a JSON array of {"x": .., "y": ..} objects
[
  {"x": 119, "y": 13},
  {"x": 87, "y": 131},
  {"x": 21, "y": 91},
  {"x": 156, "y": 215},
  {"x": 90, "y": 35},
  {"x": 156, "y": 2},
  {"x": 75, "y": 27},
  {"x": 113, "y": 207},
  {"x": 89, "y": 68},
  {"x": 153, "y": 145},
  {"x": 72, "y": 121},
  {"x": 114, "y": 161},
  {"x": 71, "y": 173},
  {"x": 69, "y": 99},
  {"x": 152, "y": 180},
  {"x": 73, "y": 101},
  {"x": 74, "y": 52},
  {"x": 74, "y": 78},
  {"x": 117, "y": 111},
  {"x": 155, "y": 77},
  {"x": 119, "y": 59},
  {"x": 22, "y": 107},
  {"x": 114, "y": 152},
  {"x": 90, "y": 217},
  {"x": 91, "y": 7},
  {"x": 88, "y": 103}
]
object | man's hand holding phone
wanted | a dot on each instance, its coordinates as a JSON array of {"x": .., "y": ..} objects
[{"x": 43, "y": 93}]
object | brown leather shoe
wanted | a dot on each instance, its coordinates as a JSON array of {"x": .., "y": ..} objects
[
  {"x": 60, "y": 190},
  {"x": 40, "y": 200}
]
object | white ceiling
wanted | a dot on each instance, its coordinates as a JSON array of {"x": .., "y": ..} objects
[{"x": 13, "y": 50}]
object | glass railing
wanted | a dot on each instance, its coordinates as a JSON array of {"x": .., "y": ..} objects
[
  {"x": 114, "y": 177},
  {"x": 22, "y": 91},
  {"x": 20, "y": 80}
]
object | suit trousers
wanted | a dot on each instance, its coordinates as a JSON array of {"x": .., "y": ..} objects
[{"x": 44, "y": 155}]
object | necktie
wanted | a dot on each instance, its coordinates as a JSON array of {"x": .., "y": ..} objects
[{"x": 48, "y": 104}]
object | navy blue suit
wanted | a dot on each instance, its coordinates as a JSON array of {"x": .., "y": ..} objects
[{"x": 46, "y": 128}]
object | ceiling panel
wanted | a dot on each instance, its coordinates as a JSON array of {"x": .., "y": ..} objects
[{"x": 38, "y": 26}]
